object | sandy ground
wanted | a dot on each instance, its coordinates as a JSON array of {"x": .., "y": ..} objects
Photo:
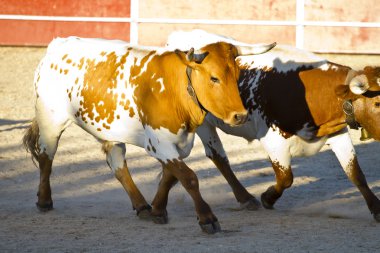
[{"x": 322, "y": 212}]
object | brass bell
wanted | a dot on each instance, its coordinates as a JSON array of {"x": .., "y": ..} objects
[{"x": 365, "y": 135}]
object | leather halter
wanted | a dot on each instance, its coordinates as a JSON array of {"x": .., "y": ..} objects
[
  {"x": 371, "y": 93},
  {"x": 191, "y": 91},
  {"x": 348, "y": 110}
]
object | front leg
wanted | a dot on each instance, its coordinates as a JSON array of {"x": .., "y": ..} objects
[
  {"x": 278, "y": 150},
  {"x": 215, "y": 151},
  {"x": 207, "y": 220},
  {"x": 344, "y": 150}
]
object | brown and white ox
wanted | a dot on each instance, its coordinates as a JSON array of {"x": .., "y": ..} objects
[
  {"x": 154, "y": 99},
  {"x": 296, "y": 103}
]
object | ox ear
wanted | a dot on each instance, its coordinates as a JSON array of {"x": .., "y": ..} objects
[
  {"x": 343, "y": 91},
  {"x": 358, "y": 83},
  {"x": 254, "y": 48}
]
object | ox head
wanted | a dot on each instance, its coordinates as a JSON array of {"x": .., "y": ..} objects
[
  {"x": 363, "y": 89},
  {"x": 214, "y": 74}
]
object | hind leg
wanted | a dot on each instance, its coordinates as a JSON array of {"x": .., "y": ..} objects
[
  {"x": 49, "y": 135},
  {"x": 115, "y": 159},
  {"x": 160, "y": 201}
]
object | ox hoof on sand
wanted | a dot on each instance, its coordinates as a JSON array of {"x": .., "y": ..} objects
[
  {"x": 375, "y": 210},
  {"x": 376, "y": 216},
  {"x": 144, "y": 213},
  {"x": 160, "y": 218},
  {"x": 211, "y": 228},
  {"x": 269, "y": 197},
  {"x": 45, "y": 207},
  {"x": 252, "y": 205}
]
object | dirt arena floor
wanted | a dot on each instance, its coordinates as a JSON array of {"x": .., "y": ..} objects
[{"x": 322, "y": 212}]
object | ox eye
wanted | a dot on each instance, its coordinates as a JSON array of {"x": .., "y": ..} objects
[
  {"x": 377, "y": 104},
  {"x": 215, "y": 80}
]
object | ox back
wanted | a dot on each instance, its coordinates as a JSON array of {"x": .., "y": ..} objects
[{"x": 98, "y": 85}]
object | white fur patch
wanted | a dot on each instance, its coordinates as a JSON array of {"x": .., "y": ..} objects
[{"x": 161, "y": 81}]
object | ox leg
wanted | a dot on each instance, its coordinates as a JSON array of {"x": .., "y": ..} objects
[
  {"x": 280, "y": 157},
  {"x": 116, "y": 161},
  {"x": 284, "y": 179},
  {"x": 160, "y": 201},
  {"x": 44, "y": 202},
  {"x": 345, "y": 152},
  {"x": 207, "y": 220},
  {"x": 215, "y": 151},
  {"x": 49, "y": 135}
]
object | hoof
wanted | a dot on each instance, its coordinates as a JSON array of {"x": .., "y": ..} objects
[
  {"x": 265, "y": 203},
  {"x": 211, "y": 228},
  {"x": 45, "y": 207},
  {"x": 252, "y": 205},
  {"x": 376, "y": 216},
  {"x": 144, "y": 213},
  {"x": 159, "y": 216},
  {"x": 269, "y": 197},
  {"x": 160, "y": 219}
]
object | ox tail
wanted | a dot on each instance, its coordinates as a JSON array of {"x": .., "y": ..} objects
[{"x": 30, "y": 140}]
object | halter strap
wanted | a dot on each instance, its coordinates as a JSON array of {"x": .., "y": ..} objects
[
  {"x": 348, "y": 110},
  {"x": 191, "y": 91}
]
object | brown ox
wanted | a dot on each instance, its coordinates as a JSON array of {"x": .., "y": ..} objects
[
  {"x": 296, "y": 103},
  {"x": 152, "y": 99}
]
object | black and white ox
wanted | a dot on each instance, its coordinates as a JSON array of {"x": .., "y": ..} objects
[{"x": 296, "y": 103}]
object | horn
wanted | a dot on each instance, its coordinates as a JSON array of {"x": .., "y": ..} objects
[
  {"x": 254, "y": 49},
  {"x": 190, "y": 54},
  {"x": 198, "y": 58}
]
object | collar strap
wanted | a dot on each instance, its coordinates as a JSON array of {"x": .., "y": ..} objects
[
  {"x": 371, "y": 93},
  {"x": 348, "y": 110},
  {"x": 191, "y": 91}
]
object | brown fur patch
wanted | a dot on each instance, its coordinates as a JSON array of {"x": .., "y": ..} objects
[
  {"x": 99, "y": 82},
  {"x": 153, "y": 106},
  {"x": 324, "y": 104}
]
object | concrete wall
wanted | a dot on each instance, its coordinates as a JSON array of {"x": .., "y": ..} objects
[{"x": 322, "y": 39}]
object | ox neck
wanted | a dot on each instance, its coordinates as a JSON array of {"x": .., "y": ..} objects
[
  {"x": 191, "y": 91},
  {"x": 349, "y": 112}
]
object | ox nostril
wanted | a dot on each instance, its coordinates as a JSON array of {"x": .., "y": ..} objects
[{"x": 240, "y": 118}]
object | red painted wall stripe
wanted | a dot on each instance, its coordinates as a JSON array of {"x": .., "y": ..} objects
[
  {"x": 15, "y": 32},
  {"x": 85, "y": 8},
  {"x": 26, "y": 32}
]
